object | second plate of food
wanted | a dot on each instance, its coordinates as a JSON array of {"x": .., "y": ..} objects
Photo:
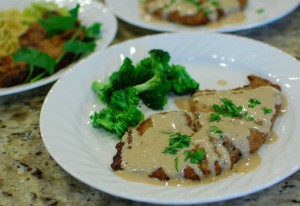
[
  {"x": 90, "y": 13},
  {"x": 256, "y": 13},
  {"x": 216, "y": 63}
]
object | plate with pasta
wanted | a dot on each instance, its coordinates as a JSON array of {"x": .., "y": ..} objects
[
  {"x": 40, "y": 40},
  {"x": 204, "y": 15}
]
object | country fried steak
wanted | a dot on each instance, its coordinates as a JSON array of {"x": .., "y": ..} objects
[
  {"x": 193, "y": 13},
  {"x": 223, "y": 128}
]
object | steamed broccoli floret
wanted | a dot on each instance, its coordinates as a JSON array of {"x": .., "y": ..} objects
[
  {"x": 121, "y": 112},
  {"x": 151, "y": 80},
  {"x": 106, "y": 119},
  {"x": 182, "y": 82}
]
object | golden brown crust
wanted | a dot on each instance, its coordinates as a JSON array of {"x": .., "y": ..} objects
[
  {"x": 256, "y": 138},
  {"x": 200, "y": 18}
]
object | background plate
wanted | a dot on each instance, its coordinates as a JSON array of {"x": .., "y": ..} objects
[
  {"x": 129, "y": 11},
  {"x": 90, "y": 12},
  {"x": 86, "y": 153}
]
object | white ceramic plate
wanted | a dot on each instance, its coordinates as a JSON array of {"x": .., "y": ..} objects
[
  {"x": 90, "y": 12},
  {"x": 86, "y": 153},
  {"x": 129, "y": 11}
]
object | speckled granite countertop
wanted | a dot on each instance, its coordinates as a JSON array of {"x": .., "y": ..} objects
[{"x": 29, "y": 176}]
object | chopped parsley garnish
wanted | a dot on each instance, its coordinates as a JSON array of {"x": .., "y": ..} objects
[
  {"x": 177, "y": 142},
  {"x": 195, "y": 157},
  {"x": 253, "y": 102},
  {"x": 194, "y": 2},
  {"x": 266, "y": 110},
  {"x": 228, "y": 109},
  {"x": 260, "y": 11},
  {"x": 169, "y": 4},
  {"x": 215, "y": 129}
]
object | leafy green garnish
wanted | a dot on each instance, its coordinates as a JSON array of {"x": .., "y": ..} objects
[
  {"x": 79, "y": 47},
  {"x": 266, "y": 110},
  {"x": 55, "y": 24},
  {"x": 169, "y": 4},
  {"x": 93, "y": 31},
  {"x": 194, "y": 2},
  {"x": 260, "y": 11},
  {"x": 228, "y": 109},
  {"x": 215, "y": 129},
  {"x": 195, "y": 157},
  {"x": 176, "y": 164},
  {"x": 253, "y": 102},
  {"x": 177, "y": 142},
  {"x": 35, "y": 59}
]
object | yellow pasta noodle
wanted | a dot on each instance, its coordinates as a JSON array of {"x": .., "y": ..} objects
[{"x": 11, "y": 27}]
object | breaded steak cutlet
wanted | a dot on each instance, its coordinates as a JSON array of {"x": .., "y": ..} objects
[
  {"x": 222, "y": 128},
  {"x": 194, "y": 13}
]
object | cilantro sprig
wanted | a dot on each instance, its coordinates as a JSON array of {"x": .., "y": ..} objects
[
  {"x": 56, "y": 24},
  {"x": 35, "y": 59}
]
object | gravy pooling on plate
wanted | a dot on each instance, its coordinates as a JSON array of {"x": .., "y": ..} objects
[{"x": 226, "y": 128}]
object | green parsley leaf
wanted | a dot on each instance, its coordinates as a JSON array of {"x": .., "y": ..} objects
[
  {"x": 260, "y": 11},
  {"x": 93, "y": 31},
  {"x": 195, "y": 157},
  {"x": 169, "y": 4},
  {"x": 266, "y": 110},
  {"x": 214, "y": 117},
  {"x": 176, "y": 142},
  {"x": 35, "y": 59},
  {"x": 55, "y": 24},
  {"x": 79, "y": 47},
  {"x": 215, "y": 129},
  {"x": 74, "y": 12},
  {"x": 194, "y": 2},
  {"x": 176, "y": 164},
  {"x": 253, "y": 102}
]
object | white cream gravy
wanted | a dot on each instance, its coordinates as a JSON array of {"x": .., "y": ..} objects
[{"x": 145, "y": 153}]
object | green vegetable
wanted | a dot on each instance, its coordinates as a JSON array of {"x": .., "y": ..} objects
[
  {"x": 228, "y": 109},
  {"x": 35, "y": 59},
  {"x": 79, "y": 47},
  {"x": 152, "y": 80},
  {"x": 195, "y": 157},
  {"x": 55, "y": 24},
  {"x": 36, "y": 10},
  {"x": 177, "y": 142},
  {"x": 253, "y": 102},
  {"x": 121, "y": 113},
  {"x": 215, "y": 129},
  {"x": 260, "y": 11},
  {"x": 266, "y": 110}
]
